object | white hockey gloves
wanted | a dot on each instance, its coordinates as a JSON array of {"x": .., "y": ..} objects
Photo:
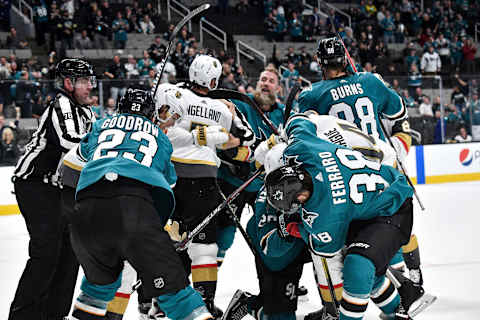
[{"x": 211, "y": 136}]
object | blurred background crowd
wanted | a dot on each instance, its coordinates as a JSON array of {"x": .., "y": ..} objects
[{"x": 426, "y": 50}]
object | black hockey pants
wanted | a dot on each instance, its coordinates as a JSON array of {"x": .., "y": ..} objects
[{"x": 46, "y": 286}]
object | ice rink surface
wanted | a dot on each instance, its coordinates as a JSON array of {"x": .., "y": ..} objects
[{"x": 448, "y": 233}]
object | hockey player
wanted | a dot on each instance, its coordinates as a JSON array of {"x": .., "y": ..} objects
[
  {"x": 344, "y": 198},
  {"x": 235, "y": 169},
  {"x": 344, "y": 133},
  {"x": 123, "y": 200},
  {"x": 364, "y": 99},
  {"x": 46, "y": 287},
  {"x": 201, "y": 126}
]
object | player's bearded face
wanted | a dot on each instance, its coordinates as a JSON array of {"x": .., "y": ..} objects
[{"x": 267, "y": 87}]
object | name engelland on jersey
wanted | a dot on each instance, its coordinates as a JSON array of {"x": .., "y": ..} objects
[{"x": 131, "y": 123}]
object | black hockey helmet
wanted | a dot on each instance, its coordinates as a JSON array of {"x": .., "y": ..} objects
[
  {"x": 137, "y": 101},
  {"x": 74, "y": 68},
  {"x": 330, "y": 51},
  {"x": 283, "y": 185}
]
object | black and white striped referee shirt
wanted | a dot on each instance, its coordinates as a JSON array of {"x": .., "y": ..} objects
[{"x": 63, "y": 124}]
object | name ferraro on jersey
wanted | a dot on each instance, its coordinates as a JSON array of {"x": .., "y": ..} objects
[
  {"x": 204, "y": 112},
  {"x": 346, "y": 90},
  {"x": 337, "y": 185}
]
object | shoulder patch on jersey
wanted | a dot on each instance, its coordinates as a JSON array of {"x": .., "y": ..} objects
[
  {"x": 308, "y": 217},
  {"x": 178, "y": 94}
]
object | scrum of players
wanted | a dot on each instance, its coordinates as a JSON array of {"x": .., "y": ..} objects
[{"x": 332, "y": 194}]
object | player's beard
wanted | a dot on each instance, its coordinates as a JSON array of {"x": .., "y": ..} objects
[{"x": 264, "y": 99}]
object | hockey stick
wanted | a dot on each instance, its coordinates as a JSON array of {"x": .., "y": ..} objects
[
  {"x": 231, "y": 94},
  {"x": 289, "y": 103},
  {"x": 189, "y": 16},
  {"x": 385, "y": 132},
  {"x": 247, "y": 238},
  {"x": 330, "y": 285},
  {"x": 182, "y": 245}
]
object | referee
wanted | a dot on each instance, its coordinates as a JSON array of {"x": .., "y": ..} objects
[{"x": 46, "y": 287}]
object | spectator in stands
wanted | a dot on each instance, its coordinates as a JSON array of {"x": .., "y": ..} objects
[
  {"x": 437, "y": 105},
  {"x": 145, "y": 64},
  {"x": 240, "y": 77},
  {"x": 166, "y": 34},
  {"x": 147, "y": 25},
  {"x": 120, "y": 31},
  {"x": 408, "y": 99},
  {"x": 412, "y": 58},
  {"x": 442, "y": 45},
  {"x": 110, "y": 108},
  {"x": 296, "y": 28},
  {"x": 388, "y": 26},
  {"x": 400, "y": 31},
  {"x": 419, "y": 95},
  {"x": 463, "y": 136},
  {"x": 229, "y": 82},
  {"x": 430, "y": 63},
  {"x": 101, "y": 30},
  {"x": 69, "y": 7},
  {"x": 291, "y": 56},
  {"x": 290, "y": 76},
  {"x": 5, "y": 68},
  {"x": 270, "y": 27},
  {"x": 441, "y": 124},
  {"x": 304, "y": 57},
  {"x": 157, "y": 50},
  {"x": 469, "y": 50},
  {"x": 54, "y": 19},
  {"x": 24, "y": 95},
  {"x": 40, "y": 19},
  {"x": 14, "y": 41},
  {"x": 131, "y": 68},
  {"x": 454, "y": 115},
  {"x": 169, "y": 72},
  {"x": 370, "y": 8},
  {"x": 414, "y": 79},
  {"x": 425, "y": 107},
  {"x": 9, "y": 151},
  {"x": 83, "y": 41},
  {"x": 134, "y": 25},
  {"x": 456, "y": 50},
  {"x": 116, "y": 73},
  {"x": 65, "y": 31}
]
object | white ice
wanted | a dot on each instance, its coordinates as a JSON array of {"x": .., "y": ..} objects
[{"x": 448, "y": 233}]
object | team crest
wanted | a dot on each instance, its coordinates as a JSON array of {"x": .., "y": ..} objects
[
  {"x": 215, "y": 64},
  {"x": 158, "y": 283},
  {"x": 308, "y": 217},
  {"x": 278, "y": 195},
  {"x": 178, "y": 95}
]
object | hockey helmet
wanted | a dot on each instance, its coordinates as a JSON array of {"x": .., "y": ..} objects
[
  {"x": 283, "y": 185},
  {"x": 330, "y": 51},
  {"x": 137, "y": 101},
  {"x": 168, "y": 99},
  {"x": 203, "y": 69},
  {"x": 74, "y": 69}
]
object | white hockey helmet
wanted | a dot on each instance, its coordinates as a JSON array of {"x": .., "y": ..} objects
[
  {"x": 168, "y": 98},
  {"x": 203, "y": 69}
]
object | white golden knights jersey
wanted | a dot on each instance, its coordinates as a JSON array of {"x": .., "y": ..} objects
[{"x": 193, "y": 160}]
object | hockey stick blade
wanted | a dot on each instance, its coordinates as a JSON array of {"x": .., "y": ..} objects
[
  {"x": 182, "y": 245},
  {"x": 289, "y": 103},
  {"x": 173, "y": 35},
  {"x": 232, "y": 94}
]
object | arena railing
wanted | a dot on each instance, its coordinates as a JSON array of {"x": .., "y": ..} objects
[
  {"x": 181, "y": 10},
  {"x": 204, "y": 27},
  {"x": 243, "y": 49}
]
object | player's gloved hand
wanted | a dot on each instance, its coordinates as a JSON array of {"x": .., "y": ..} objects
[
  {"x": 288, "y": 228},
  {"x": 210, "y": 136},
  {"x": 173, "y": 230}
]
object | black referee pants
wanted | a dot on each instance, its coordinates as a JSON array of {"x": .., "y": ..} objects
[{"x": 50, "y": 274}]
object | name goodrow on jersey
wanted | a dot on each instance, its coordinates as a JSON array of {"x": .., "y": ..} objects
[
  {"x": 337, "y": 185},
  {"x": 203, "y": 112},
  {"x": 346, "y": 90},
  {"x": 130, "y": 123}
]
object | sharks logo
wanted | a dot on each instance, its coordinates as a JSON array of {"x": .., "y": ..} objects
[{"x": 309, "y": 217}]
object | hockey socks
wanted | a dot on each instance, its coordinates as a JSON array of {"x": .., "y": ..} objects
[
  {"x": 186, "y": 304},
  {"x": 411, "y": 254}
]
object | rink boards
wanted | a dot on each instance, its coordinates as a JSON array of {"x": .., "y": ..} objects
[{"x": 425, "y": 165}]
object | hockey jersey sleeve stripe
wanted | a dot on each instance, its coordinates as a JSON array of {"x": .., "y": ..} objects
[
  {"x": 73, "y": 166},
  {"x": 405, "y": 139},
  {"x": 193, "y": 161},
  {"x": 65, "y": 122}
]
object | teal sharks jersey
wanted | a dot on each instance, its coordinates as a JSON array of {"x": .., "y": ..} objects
[
  {"x": 347, "y": 186},
  {"x": 358, "y": 98},
  {"x": 262, "y": 132},
  {"x": 276, "y": 252},
  {"x": 130, "y": 146}
]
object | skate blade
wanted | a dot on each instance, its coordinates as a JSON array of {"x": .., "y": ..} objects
[{"x": 421, "y": 304}]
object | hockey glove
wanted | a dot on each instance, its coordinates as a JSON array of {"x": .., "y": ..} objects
[
  {"x": 287, "y": 229},
  {"x": 173, "y": 231},
  {"x": 210, "y": 136}
]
